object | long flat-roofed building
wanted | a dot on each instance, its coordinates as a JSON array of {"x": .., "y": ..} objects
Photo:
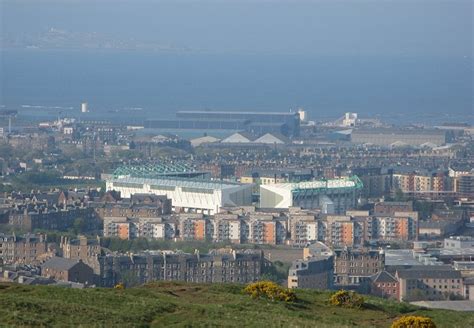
[
  {"x": 333, "y": 196},
  {"x": 286, "y": 123},
  {"x": 398, "y": 137},
  {"x": 186, "y": 194}
]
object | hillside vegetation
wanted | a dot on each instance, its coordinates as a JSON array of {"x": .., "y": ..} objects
[{"x": 196, "y": 305}]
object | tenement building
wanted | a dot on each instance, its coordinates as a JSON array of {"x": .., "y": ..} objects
[
  {"x": 138, "y": 206},
  {"x": 26, "y": 249},
  {"x": 315, "y": 270},
  {"x": 217, "y": 266},
  {"x": 86, "y": 250},
  {"x": 355, "y": 266},
  {"x": 30, "y": 217}
]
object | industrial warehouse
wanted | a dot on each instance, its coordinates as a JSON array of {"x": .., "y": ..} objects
[
  {"x": 258, "y": 123},
  {"x": 333, "y": 196},
  {"x": 179, "y": 183}
]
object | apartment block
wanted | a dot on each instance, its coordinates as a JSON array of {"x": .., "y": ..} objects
[
  {"x": 303, "y": 229},
  {"x": 355, "y": 229},
  {"x": 420, "y": 181},
  {"x": 339, "y": 230},
  {"x": 228, "y": 227},
  {"x": 195, "y": 227},
  {"x": 399, "y": 227},
  {"x": 130, "y": 228},
  {"x": 263, "y": 231}
]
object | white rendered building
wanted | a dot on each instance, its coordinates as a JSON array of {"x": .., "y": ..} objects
[
  {"x": 332, "y": 196},
  {"x": 186, "y": 194}
]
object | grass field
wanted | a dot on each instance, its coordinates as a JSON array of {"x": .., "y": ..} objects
[{"x": 195, "y": 305}]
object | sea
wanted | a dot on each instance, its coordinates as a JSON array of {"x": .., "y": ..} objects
[{"x": 130, "y": 86}]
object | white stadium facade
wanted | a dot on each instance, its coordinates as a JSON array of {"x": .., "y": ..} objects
[
  {"x": 187, "y": 194},
  {"x": 333, "y": 196}
]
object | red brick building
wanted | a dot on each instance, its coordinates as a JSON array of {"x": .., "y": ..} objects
[{"x": 385, "y": 285}]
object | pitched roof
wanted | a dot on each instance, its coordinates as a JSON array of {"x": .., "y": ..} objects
[
  {"x": 238, "y": 137},
  {"x": 427, "y": 273},
  {"x": 202, "y": 140},
  {"x": 383, "y": 276},
  {"x": 59, "y": 263},
  {"x": 271, "y": 138}
]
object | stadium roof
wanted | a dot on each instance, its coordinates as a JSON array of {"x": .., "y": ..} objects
[
  {"x": 352, "y": 182},
  {"x": 152, "y": 170},
  {"x": 166, "y": 181}
]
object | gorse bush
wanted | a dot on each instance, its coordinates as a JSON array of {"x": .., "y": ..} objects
[
  {"x": 347, "y": 299},
  {"x": 413, "y": 322},
  {"x": 269, "y": 290},
  {"x": 119, "y": 286}
]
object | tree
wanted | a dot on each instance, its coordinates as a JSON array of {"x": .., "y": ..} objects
[
  {"x": 79, "y": 225},
  {"x": 399, "y": 196}
]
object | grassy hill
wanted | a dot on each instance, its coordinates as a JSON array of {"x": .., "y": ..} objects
[{"x": 196, "y": 305}]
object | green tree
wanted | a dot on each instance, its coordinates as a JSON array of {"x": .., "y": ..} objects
[
  {"x": 399, "y": 196},
  {"x": 79, "y": 226}
]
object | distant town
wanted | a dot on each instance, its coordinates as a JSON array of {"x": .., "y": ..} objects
[{"x": 347, "y": 203}]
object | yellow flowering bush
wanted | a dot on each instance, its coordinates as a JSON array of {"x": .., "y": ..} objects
[
  {"x": 346, "y": 298},
  {"x": 269, "y": 290},
  {"x": 413, "y": 322},
  {"x": 119, "y": 286}
]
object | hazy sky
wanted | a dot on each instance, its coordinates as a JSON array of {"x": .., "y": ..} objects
[{"x": 426, "y": 27}]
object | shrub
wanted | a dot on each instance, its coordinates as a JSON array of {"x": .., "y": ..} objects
[
  {"x": 269, "y": 290},
  {"x": 413, "y": 322},
  {"x": 347, "y": 299},
  {"x": 119, "y": 286}
]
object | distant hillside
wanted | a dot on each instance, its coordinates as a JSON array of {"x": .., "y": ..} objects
[{"x": 180, "y": 304}]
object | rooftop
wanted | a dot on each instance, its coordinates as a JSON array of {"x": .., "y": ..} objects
[
  {"x": 444, "y": 273},
  {"x": 383, "y": 276},
  {"x": 59, "y": 263},
  {"x": 236, "y": 113},
  {"x": 400, "y": 257},
  {"x": 394, "y": 131},
  {"x": 151, "y": 170},
  {"x": 166, "y": 181},
  {"x": 352, "y": 182}
]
